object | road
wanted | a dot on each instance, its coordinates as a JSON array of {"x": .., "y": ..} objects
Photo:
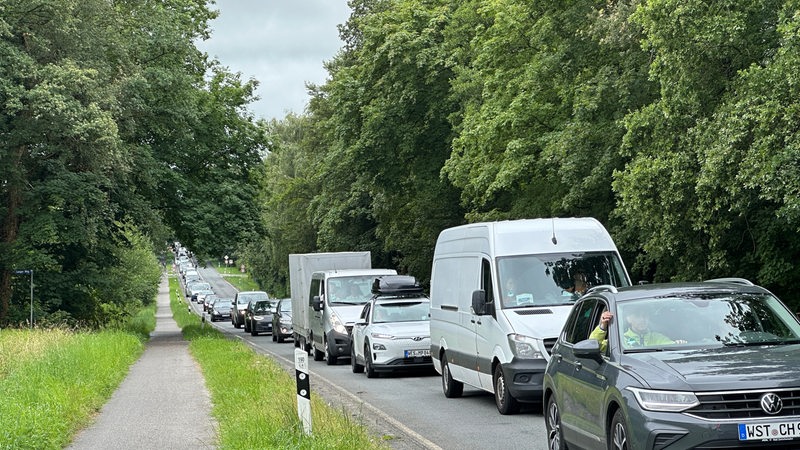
[{"x": 411, "y": 403}]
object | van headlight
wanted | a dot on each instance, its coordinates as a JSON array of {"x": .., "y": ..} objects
[
  {"x": 337, "y": 324},
  {"x": 524, "y": 347}
]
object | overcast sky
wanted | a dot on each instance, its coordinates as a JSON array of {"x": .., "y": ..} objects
[{"x": 281, "y": 43}]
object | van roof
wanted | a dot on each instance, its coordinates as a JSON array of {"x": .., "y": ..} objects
[
  {"x": 355, "y": 272},
  {"x": 526, "y": 236}
]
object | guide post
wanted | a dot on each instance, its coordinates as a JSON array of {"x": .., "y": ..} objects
[{"x": 303, "y": 389}]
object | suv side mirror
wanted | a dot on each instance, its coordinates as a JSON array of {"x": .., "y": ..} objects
[
  {"x": 479, "y": 302},
  {"x": 589, "y": 349}
]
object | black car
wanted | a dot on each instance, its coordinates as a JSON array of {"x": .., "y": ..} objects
[
  {"x": 220, "y": 309},
  {"x": 258, "y": 317},
  {"x": 711, "y": 364},
  {"x": 282, "y": 320}
]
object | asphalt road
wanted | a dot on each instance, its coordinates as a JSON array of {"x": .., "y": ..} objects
[{"x": 409, "y": 407}]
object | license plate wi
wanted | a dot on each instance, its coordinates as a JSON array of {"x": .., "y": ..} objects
[
  {"x": 769, "y": 431},
  {"x": 417, "y": 353}
]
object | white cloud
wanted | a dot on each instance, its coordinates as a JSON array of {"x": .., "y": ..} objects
[{"x": 281, "y": 43}]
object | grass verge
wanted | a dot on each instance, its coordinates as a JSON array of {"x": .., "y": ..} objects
[
  {"x": 254, "y": 399},
  {"x": 52, "y": 382}
]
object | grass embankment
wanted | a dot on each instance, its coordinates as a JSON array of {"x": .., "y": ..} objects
[
  {"x": 241, "y": 281},
  {"x": 254, "y": 399},
  {"x": 52, "y": 382}
]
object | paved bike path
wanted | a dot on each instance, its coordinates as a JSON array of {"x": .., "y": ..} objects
[{"x": 163, "y": 403}]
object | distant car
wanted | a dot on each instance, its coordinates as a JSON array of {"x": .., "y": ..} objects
[
  {"x": 220, "y": 309},
  {"x": 686, "y": 365},
  {"x": 282, "y": 320},
  {"x": 207, "y": 301},
  {"x": 200, "y": 296},
  {"x": 258, "y": 317},
  {"x": 197, "y": 288},
  {"x": 240, "y": 301},
  {"x": 393, "y": 331}
]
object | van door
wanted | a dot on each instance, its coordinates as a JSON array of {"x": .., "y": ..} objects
[
  {"x": 315, "y": 317},
  {"x": 486, "y": 329}
]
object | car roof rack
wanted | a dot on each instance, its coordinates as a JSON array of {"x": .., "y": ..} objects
[
  {"x": 396, "y": 285},
  {"x": 603, "y": 288},
  {"x": 742, "y": 281}
]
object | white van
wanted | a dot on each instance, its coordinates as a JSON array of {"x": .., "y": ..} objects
[
  {"x": 500, "y": 293},
  {"x": 336, "y": 298}
]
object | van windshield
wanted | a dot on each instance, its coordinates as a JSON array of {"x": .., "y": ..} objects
[
  {"x": 555, "y": 279},
  {"x": 355, "y": 290}
]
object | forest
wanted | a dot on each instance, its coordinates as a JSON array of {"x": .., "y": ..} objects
[{"x": 672, "y": 122}]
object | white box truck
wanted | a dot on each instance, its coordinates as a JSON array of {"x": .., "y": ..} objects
[
  {"x": 500, "y": 294},
  {"x": 301, "y": 267}
]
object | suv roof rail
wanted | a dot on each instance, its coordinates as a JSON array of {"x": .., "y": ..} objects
[
  {"x": 603, "y": 288},
  {"x": 742, "y": 281}
]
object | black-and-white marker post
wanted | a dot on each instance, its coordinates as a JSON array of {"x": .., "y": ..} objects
[{"x": 303, "y": 389}]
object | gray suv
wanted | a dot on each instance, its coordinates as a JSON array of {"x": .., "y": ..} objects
[{"x": 711, "y": 364}]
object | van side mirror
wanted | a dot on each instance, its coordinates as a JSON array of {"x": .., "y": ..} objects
[
  {"x": 316, "y": 303},
  {"x": 479, "y": 302}
]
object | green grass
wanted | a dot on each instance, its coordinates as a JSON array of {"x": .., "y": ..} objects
[
  {"x": 241, "y": 281},
  {"x": 52, "y": 382},
  {"x": 254, "y": 399}
]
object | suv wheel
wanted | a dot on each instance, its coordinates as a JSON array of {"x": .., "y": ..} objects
[
  {"x": 354, "y": 365},
  {"x": 619, "y": 432},
  {"x": 368, "y": 363},
  {"x": 555, "y": 438}
]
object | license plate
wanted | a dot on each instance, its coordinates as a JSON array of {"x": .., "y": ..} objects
[
  {"x": 769, "y": 431},
  {"x": 418, "y": 353}
]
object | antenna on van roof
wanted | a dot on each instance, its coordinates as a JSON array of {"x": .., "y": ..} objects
[{"x": 553, "y": 239}]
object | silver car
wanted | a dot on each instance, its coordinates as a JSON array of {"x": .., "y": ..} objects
[{"x": 392, "y": 333}]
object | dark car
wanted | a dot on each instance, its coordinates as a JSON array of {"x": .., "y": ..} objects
[
  {"x": 220, "y": 309},
  {"x": 240, "y": 302},
  {"x": 258, "y": 317},
  {"x": 711, "y": 364},
  {"x": 282, "y": 320}
]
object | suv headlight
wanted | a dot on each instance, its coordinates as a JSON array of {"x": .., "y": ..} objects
[
  {"x": 258, "y": 318},
  {"x": 524, "y": 347},
  {"x": 377, "y": 335},
  {"x": 666, "y": 401}
]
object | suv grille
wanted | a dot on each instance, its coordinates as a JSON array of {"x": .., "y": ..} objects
[{"x": 744, "y": 405}]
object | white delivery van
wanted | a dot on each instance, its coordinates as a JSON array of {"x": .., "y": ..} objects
[
  {"x": 301, "y": 266},
  {"x": 500, "y": 294},
  {"x": 336, "y": 299}
]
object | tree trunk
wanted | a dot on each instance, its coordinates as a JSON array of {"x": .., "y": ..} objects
[{"x": 9, "y": 233}]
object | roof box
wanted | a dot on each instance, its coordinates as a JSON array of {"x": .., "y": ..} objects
[{"x": 396, "y": 285}]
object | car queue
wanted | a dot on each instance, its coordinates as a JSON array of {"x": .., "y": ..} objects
[{"x": 680, "y": 365}]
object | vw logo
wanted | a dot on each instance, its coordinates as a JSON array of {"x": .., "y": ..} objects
[{"x": 771, "y": 403}]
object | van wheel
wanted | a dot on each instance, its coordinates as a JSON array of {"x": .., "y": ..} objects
[
  {"x": 451, "y": 387},
  {"x": 329, "y": 360},
  {"x": 368, "y": 363},
  {"x": 354, "y": 365},
  {"x": 318, "y": 355},
  {"x": 506, "y": 404}
]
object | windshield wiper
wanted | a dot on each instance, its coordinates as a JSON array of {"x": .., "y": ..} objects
[{"x": 644, "y": 350}]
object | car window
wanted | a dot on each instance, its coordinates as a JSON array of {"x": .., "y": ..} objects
[
  {"x": 401, "y": 312},
  {"x": 582, "y": 321}
]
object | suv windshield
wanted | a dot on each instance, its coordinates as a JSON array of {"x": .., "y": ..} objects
[
  {"x": 706, "y": 319},
  {"x": 555, "y": 279}
]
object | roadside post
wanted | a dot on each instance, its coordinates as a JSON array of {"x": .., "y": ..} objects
[
  {"x": 28, "y": 272},
  {"x": 303, "y": 389}
]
